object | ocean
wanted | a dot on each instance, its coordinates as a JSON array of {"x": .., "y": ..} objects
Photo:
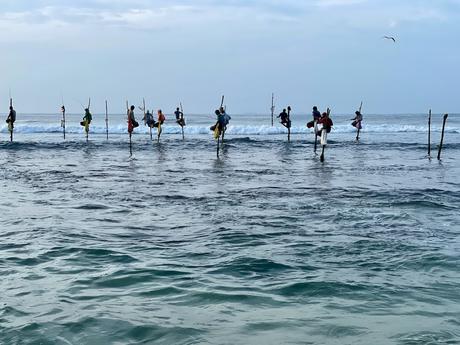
[{"x": 261, "y": 245}]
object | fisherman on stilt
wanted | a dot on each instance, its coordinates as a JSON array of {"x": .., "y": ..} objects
[
  {"x": 131, "y": 119},
  {"x": 357, "y": 120},
  {"x": 219, "y": 127},
  {"x": 87, "y": 118},
  {"x": 179, "y": 117},
  {"x": 160, "y": 120},
  {"x": 149, "y": 120},
  {"x": 284, "y": 119},
  {"x": 11, "y": 119},
  {"x": 316, "y": 116},
  {"x": 326, "y": 123}
]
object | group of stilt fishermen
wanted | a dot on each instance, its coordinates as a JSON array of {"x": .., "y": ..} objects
[
  {"x": 323, "y": 119},
  {"x": 321, "y": 123}
]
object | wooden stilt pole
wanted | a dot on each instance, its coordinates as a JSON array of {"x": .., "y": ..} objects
[
  {"x": 218, "y": 139},
  {"x": 442, "y": 135},
  {"x": 429, "y": 134},
  {"x": 63, "y": 116},
  {"x": 11, "y": 124},
  {"x": 273, "y": 107},
  {"x": 289, "y": 123},
  {"x": 130, "y": 130},
  {"x": 106, "y": 120},
  {"x": 315, "y": 129},
  {"x": 359, "y": 126},
  {"x": 182, "y": 120}
]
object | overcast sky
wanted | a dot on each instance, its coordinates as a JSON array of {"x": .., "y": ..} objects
[{"x": 309, "y": 52}]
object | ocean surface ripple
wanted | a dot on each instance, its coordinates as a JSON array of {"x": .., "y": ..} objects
[{"x": 264, "y": 245}]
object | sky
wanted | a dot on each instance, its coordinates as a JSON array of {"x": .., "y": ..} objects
[{"x": 307, "y": 52}]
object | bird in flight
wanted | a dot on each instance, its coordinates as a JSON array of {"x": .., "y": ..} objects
[{"x": 390, "y": 38}]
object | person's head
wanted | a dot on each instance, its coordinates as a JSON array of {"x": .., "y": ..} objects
[
  {"x": 133, "y": 107},
  {"x": 217, "y": 112},
  {"x": 148, "y": 112},
  {"x": 315, "y": 108},
  {"x": 86, "y": 110},
  {"x": 284, "y": 110},
  {"x": 222, "y": 110},
  {"x": 160, "y": 112},
  {"x": 324, "y": 114},
  {"x": 177, "y": 109},
  {"x": 357, "y": 112},
  {"x": 11, "y": 107}
]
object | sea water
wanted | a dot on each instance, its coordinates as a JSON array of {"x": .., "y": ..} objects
[{"x": 261, "y": 245}]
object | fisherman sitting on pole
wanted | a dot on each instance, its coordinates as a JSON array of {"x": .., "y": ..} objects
[
  {"x": 357, "y": 120},
  {"x": 11, "y": 119},
  {"x": 327, "y": 123},
  {"x": 284, "y": 119},
  {"x": 179, "y": 117},
  {"x": 149, "y": 120},
  {"x": 316, "y": 116}
]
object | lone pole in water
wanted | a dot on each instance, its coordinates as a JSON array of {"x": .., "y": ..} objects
[
  {"x": 289, "y": 123},
  {"x": 273, "y": 107},
  {"x": 429, "y": 134},
  {"x": 359, "y": 124},
  {"x": 182, "y": 120},
  {"x": 107, "y": 120},
  {"x": 442, "y": 135}
]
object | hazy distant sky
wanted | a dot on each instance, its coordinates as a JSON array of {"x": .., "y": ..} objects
[{"x": 323, "y": 52}]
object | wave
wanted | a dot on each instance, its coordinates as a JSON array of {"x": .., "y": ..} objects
[{"x": 232, "y": 130}]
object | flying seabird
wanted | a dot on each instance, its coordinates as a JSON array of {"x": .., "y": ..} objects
[{"x": 390, "y": 38}]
